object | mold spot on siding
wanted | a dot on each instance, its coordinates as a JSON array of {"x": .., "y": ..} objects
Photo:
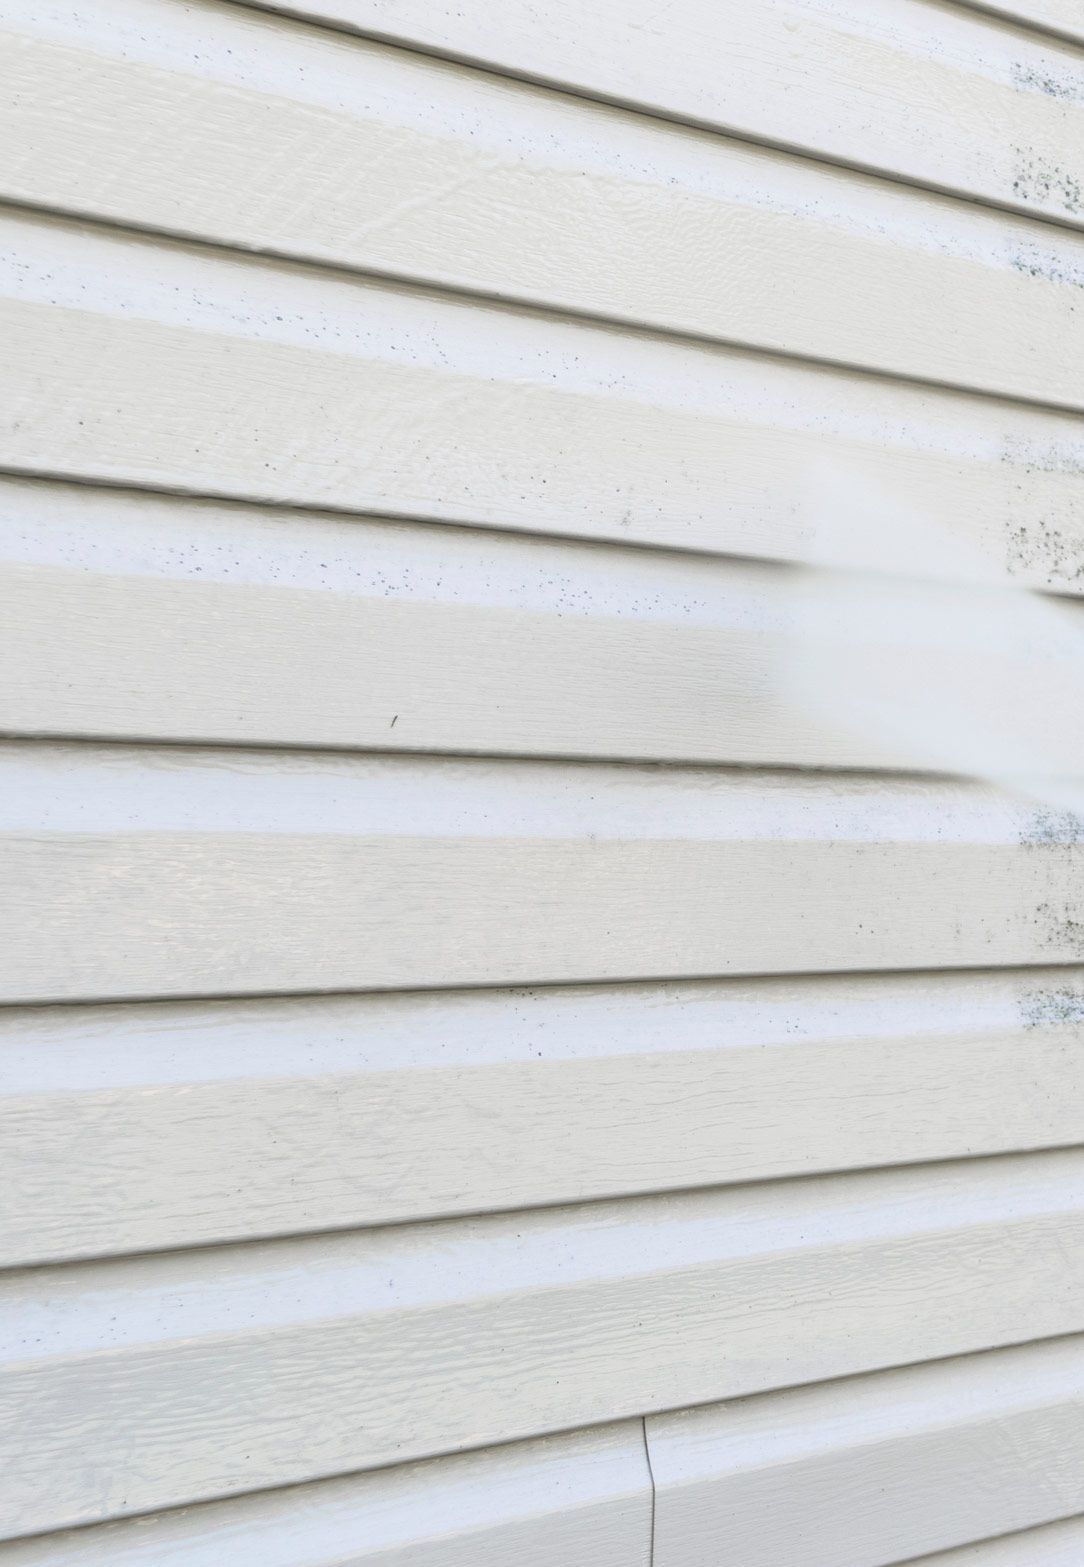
[
  {"x": 1061, "y": 928},
  {"x": 1047, "y": 1008},
  {"x": 1042, "y": 549},
  {"x": 1047, "y": 828},
  {"x": 1063, "y": 88},
  {"x": 1037, "y": 179}
]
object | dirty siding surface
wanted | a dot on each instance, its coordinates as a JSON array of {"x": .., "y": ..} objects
[{"x": 537, "y": 1019}]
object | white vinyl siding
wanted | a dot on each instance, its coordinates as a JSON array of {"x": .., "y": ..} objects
[
  {"x": 920, "y": 90},
  {"x": 499, "y": 1060}
]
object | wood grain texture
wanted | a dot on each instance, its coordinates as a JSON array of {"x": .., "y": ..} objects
[
  {"x": 144, "y": 1127},
  {"x": 578, "y": 1499},
  {"x": 153, "y": 364},
  {"x": 874, "y": 1470},
  {"x": 154, "y": 1381},
  {"x": 133, "y": 874},
  {"x": 262, "y": 627},
  {"x": 158, "y": 114},
  {"x": 925, "y": 92}
]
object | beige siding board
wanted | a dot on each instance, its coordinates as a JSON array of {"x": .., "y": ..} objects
[
  {"x": 133, "y": 874},
  {"x": 874, "y": 1470},
  {"x": 294, "y": 1260},
  {"x": 583, "y": 1499},
  {"x": 153, "y": 113},
  {"x": 153, "y": 364},
  {"x": 154, "y": 1381},
  {"x": 1056, "y": 1545},
  {"x": 258, "y": 628},
  {"x": 926, "y": 92},
  {"x": 143, "y": 1127},
  {"x": 269, "y": 628}
]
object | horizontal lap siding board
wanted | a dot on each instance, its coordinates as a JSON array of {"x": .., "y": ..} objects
[
  {"x": 155, "y": 364},
  {"x": 157, "y": 114},
  {"x": 926, "y": 92},
  {"x": 135, "y": 1128},
  {"x": 134, "y": 874},
  {"x": 1056, "y": 1545},
  {"x": 263, "y": 627},
  {"x": 584, "y": 1498},
  {"x": 1061, "y": 17},
  {"x": 874, "y": 1470},
  {"x": 429, "y": 338},
  {"x": 148, "y": 1382}
]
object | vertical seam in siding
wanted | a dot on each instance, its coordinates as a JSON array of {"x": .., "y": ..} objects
[{"x": 654, "y": 1494}]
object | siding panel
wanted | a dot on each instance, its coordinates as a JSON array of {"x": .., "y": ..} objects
[
  {"x": 439, "y": 1080},
  {"x": 153, "y": 364},
  {"x": 153, "y": 1381},
  {"x": 1061, "y": 17},
  {"x": 1058, "y": 1545},
  {"x": 132, "y": 874},
  {"x": 923, "y": 91},
  {"x": 874, "y": 1470},
  {"x": 272, "y": 628},
  {"x": 157, "y": 114},
  {"x": 584, "y": 1500},
  {"x": 141, "y": 1127}
]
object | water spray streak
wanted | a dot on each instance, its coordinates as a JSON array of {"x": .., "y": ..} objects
[{"x": 945, "y": 664}]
